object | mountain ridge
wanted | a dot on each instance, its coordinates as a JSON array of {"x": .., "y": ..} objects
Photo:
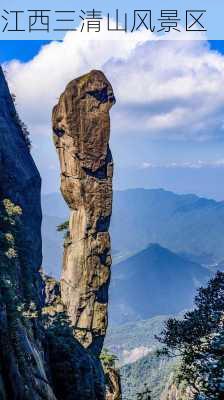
[
  {"x": 153, "y": 282},
  {"x": 185, "y": 224}
]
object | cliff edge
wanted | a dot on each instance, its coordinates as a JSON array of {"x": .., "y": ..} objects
[{"x": 40, "y": 358}]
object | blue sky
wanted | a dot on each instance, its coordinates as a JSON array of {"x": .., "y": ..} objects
[
  {"x": 24, "y": 50},
  {"x": 19, "y": 49},
  {"x": 153, "y": 143}
]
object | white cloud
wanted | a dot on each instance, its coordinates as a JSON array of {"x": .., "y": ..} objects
[
  {"x": 135, "y": 354},
  {"x": 198, "y": 164},
  {"x": 167, "y": 89}
]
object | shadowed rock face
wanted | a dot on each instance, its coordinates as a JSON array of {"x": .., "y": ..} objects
[
  {"x": 39, "y": 357},
  {"x": 23, "y": 371},
  {"x": 19, "y": 178},
  {"x": 81, "y": 126}
]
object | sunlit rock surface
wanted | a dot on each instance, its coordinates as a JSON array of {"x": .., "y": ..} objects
[{"x": 81, "y": 125}]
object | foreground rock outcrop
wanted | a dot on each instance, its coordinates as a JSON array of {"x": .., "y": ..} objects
[
  {"x": 81, "y": 126},
  {"x": 76, "y": 373},
  {"x": 113, "y": 384},
  {"x": 20, "y": 180},
  {"x": 40, "y": 358},
  {"x": 23, "y": 372}
]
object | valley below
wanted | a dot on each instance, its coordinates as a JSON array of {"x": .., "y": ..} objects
[{"x": 171, "y": 247}]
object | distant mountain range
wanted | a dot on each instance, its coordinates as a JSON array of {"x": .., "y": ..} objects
[
  {"x": 185, "y": 224},
  {"x": 160, "y": 241},
  {"x": 153, "y": 282},
  {"x": 182, "y": 223},
  {"x": 149, "y": 279}
]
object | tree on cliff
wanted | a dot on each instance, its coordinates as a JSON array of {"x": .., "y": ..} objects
[
  {"x": 9, "y": 220},
  {"x": 199, "y": 340},
  {"x": 64, "y": 227},
  {"x": 112, "y": 374},
  {"x": 108, "y": 359},
  {"x": 16, "y": 283},
  {"x": 21, "y": 124},
  {"x": 14, "y": 302}
]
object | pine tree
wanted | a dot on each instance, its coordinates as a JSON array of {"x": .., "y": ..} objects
[{"x": 199, "y": 340}]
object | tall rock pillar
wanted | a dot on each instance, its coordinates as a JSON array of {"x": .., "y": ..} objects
[{"x": 81, "y": 126}]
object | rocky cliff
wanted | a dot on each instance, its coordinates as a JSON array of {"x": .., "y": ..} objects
[
  {"x": 40, "y": 358},
  {"x": 81, "y": 125},
  {"x": 176, "y": 391},
  {"x": 23, "y": 370},
  {"x": 20, "y": 180}
]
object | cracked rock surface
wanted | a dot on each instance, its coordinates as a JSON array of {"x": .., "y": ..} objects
[{"x": 81, "y": 126}]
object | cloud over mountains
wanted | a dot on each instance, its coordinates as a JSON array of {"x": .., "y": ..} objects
[{"x": 168, "y": 89}]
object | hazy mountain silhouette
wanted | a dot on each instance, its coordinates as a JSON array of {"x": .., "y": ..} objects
[
  {"x": 153, "y": 282},
  {"x": 185, "y": 224}
]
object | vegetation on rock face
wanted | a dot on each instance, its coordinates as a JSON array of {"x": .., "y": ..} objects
[
  {"x": 67, "y": 360},
  {"x": 9, "y": 221},
  {"x": 21, "y": 124},
  {"x": 112, "y": 375},
  {"x": 64, "y": 227},
  {"x": 16, "y": 308},
  {"x": 11, "y": 255},
  {"x": 199, "y": 340},
  {"x": 15, "y": 273},
  {"x": 108, "y": 359}
]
